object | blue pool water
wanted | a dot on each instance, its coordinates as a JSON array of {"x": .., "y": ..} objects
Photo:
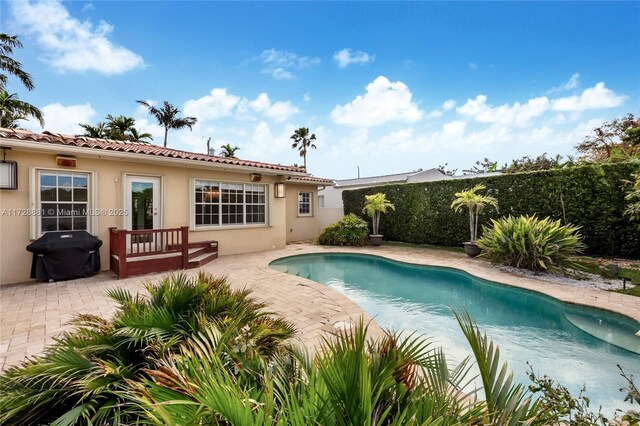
[{"x": 555, "y": 337}]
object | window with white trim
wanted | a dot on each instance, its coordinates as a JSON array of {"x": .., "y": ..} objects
[
  {"x": 228, "y": 204},
  {"x": 304, "y": 203},
  {"x": 63, "y": 201}
]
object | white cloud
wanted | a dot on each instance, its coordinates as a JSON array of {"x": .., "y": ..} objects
[
  {"x": 473, "y": 66},
  {"x": 516, "y": 114},
  {"x": 448, "y": 105},
  {"x": 63, "y": 119},
  {"x": 71, "y": 44},
  {"x": 596, "y": 97},
  {"x": 277, "y": 111},
  {"x": 281, "y": 63},
  {"x": 346, "y": 57},
  {"x": 383, "y": 102},
  {"x": 216, "y": 104},
  {"x": 572, "y": 83}
]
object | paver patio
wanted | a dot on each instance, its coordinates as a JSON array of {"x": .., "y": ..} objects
[{"x": 32, "y": 314}]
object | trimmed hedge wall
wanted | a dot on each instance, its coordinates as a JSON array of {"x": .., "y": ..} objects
[{"x": 589, "y": 196}]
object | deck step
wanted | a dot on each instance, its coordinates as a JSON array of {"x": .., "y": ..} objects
[{"x": 202, "y": 260}]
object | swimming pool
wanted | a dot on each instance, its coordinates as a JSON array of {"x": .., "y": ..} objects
[{"x": 555, "y": 337}]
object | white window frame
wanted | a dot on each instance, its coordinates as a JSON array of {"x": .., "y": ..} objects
[
  {"x": 220, "y": 226},
  {"x": 310, "y": 204},
  {"x": 35, "y": 225}
]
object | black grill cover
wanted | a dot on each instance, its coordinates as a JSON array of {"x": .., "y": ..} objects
[{"x": 65, "y": 255}]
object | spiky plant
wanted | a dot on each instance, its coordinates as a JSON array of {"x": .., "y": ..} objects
[{"x": 532, "y": 243}]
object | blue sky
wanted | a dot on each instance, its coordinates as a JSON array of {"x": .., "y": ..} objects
[{"x": 387, "y": 86}]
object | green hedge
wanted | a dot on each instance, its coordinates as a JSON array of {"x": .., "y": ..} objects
[{"x": 589, "y": 196}]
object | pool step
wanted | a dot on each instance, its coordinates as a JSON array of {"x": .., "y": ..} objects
[{"x": 603, "y": 331}]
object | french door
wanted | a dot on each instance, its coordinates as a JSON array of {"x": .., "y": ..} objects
[{"x": 142, "y": 203}]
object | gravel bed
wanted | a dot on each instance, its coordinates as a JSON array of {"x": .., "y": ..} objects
[{"x": 586, "y": 280}]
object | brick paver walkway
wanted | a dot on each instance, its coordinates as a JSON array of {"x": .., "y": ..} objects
[{"x": 32, "y": 314}]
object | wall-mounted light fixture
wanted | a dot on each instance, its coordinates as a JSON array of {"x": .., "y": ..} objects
[
  {"x": 256, "y": 177},
  {"x": 8, "y": 171},
  {"x": 279, "y": 190},
  {"x": 66, "y": 161}
]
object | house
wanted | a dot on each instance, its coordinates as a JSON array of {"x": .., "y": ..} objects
[
  {"x": 146, "y": 201},
  {"x": 330, "y": 204},
  {"x": 330, "y": 198}
]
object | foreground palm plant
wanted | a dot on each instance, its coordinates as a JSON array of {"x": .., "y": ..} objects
[
  {"x": 532, "y": 243},
  {"x": 86, "y": 376},
  {"x": 194, "y": 352}
]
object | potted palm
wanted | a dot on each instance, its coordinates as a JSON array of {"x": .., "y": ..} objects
[
  {"x": 474, "y": 202},
  {"x": 374, "y": 206}
]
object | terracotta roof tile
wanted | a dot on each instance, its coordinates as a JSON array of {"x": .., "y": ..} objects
[
  {"x": 313, "y": 179},
  {"x": 135, "y": 147}
]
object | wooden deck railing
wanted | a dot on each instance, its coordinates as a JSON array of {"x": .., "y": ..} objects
[{"x": 148, "y": 250}]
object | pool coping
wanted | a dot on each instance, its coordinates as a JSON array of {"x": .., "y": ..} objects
[{"x": 622, "y": 304}]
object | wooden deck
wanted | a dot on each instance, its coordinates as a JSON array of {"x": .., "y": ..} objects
[{"x": 156, "y": 250}]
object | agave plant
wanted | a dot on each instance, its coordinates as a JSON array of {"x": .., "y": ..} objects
[
  {"x": 87, "y": 375},
  {"x": 532, "y": 243}
]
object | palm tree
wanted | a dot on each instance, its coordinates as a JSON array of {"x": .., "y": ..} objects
[
  {"x": 303, "y": 142},
  {"x": 119, "y": 127},
  {"x": 228, "y": 151},
  {"x": 167, "y": 117},
  {"x": 374, "y": 206},
  {"x": 13, "y": 109},
  {"x": 10, "y": 65},
  {"x": 98, "y": 131},
  {"x": 136, "y": 136},
  {"x": 475, "y": 203}
]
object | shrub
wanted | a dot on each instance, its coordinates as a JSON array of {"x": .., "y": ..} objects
[
  {"x": 590, "y": 196},
  {"x": 532, "y": 243},
  {"x": 351, "y": 230},
  {"x": 87, "y": 376}
]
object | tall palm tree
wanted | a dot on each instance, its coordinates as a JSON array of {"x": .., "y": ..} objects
[
  {"x": 13, "y": 109},
  {"x": 228, "y": 151},
  {"x": 167, "y": 117},
  {"x": 10, "y": 65},
  {"x": 303, "y": 142}
]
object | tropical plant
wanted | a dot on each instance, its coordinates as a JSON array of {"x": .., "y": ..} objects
[
  {"x": 136, "y": 136},
  {"x": 98, "y": 131},
  {"x": 472, "y": 201},
  {"x": 10, "y": 65},
  {"x": 119, "y": 128},
  {"x": 303, "y": 142},
  {"x": 374, "y": 206},
  {"x": 167, "y": 117},
  {"x": 13, "y": 110},
  {"x": 228, "y": 151},
  {"x": 86, "y": 376},
  {"x": 532, "y": 243},
  {"x": 351, "y": 230}
]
